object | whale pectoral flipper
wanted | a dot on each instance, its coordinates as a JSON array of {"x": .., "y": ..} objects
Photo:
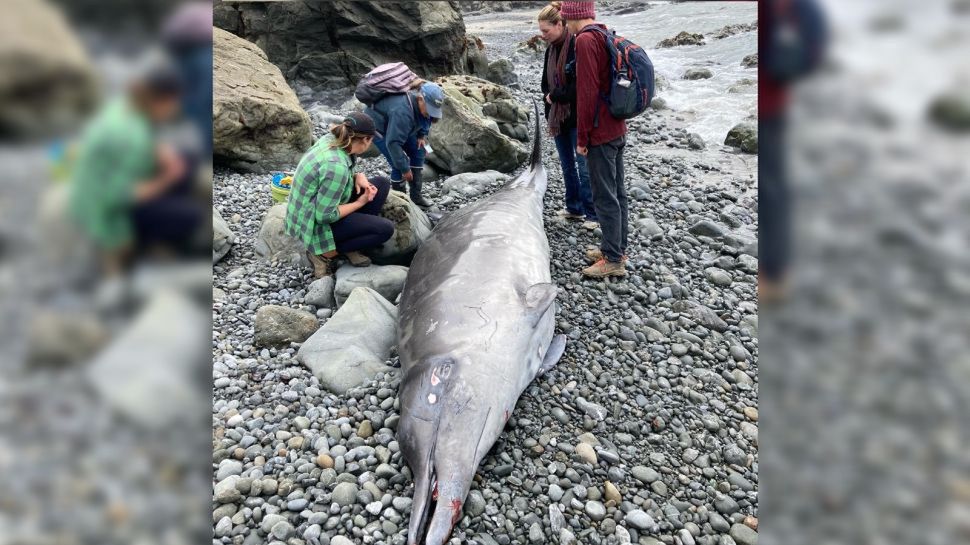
[
  {"x": 553, "y": 353},
  {"x": 538, "y": 298}
]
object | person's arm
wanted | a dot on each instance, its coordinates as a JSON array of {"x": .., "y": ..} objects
[
  {"x": 587, "y": 86},
  {"x": 365, "y": 197},
  {"x": 335, "y": 176},
  {"x": 171, "y": 168}
]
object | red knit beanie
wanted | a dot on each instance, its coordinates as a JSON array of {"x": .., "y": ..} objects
[{"x": 574, "y": 11}]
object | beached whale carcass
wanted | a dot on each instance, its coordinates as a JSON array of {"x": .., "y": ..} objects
[{"x": 475, "y": 327}]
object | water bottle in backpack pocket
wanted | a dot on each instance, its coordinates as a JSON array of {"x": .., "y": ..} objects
[{"x": 631, "y": 76}]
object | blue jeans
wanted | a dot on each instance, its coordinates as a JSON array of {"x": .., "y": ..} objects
[
  {"x": 579, "y": 197},
  {"x": 411, "y": 149},
  {"x": 774, "y": 201}
]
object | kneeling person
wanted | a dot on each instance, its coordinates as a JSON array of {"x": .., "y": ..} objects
[{"x": 332, "y": 210}]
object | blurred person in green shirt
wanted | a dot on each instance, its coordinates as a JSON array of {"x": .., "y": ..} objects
[{"x": 128, "y": 190}]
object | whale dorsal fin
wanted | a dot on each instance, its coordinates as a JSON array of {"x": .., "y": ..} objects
[{"x": 538, "y": 298}]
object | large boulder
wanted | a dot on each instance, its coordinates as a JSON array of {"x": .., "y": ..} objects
[
  {"x": 744, "y": 135},
  {"x": 222, "y": 236},
  {"x": 272, "y": 242},
  {"x": 411, "y": 228},
  {"x": 502, "y": 72},
  {"x": 277, "y": 325},
  {"x": 158, "y": 371},
  {"x": 468, "y": 140},
  {"x": 257, "y": 120},
  {"x": 354, "y": 344},
  {"x": 49, "y": 84},
  {"x": 332, "y": 44},
  {"x": 387, "y": 280}
]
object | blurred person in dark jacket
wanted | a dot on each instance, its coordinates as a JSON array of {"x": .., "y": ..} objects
[
  {"x": 791, "y": 41},
  {"x": 130, "y": 192},
  {"x": 187, "y": 36}
]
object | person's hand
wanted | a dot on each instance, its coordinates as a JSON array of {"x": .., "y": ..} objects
[
  {"x": 420, "y": 142},
  {"x": 582, "y": 150},
  {"x": 408, "y": 176},
  {"x": 548, "y": 99},
  {"x": 360, "y": 181},
  {"x": 365, "y": 197},
  {"x": 371, "y": 192}
]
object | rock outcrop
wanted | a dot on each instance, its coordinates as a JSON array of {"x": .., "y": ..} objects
[
  {"x": 257, "y": 121},
  {"x": 332, "y": 44}
]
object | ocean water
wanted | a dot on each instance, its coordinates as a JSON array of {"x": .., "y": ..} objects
[{"x": 707, "y": 106}]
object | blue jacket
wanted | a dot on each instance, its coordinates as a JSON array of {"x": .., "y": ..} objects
[{"x": 398, "y": 118}]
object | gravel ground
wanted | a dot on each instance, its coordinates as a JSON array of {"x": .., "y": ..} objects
[{"x": 646, "y": 432}]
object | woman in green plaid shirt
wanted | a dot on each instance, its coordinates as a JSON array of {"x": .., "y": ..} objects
[{"x": 331, "y": 210}]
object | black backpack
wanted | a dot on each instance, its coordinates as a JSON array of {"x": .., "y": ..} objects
[{"x": 631, "y": 76}]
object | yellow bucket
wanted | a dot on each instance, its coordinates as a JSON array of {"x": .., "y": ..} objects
[{"x": 280, "y": 190}]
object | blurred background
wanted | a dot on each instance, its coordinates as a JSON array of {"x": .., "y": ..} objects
[
  {"x": 105, "y": 275},
  {"x": 865, "y": 371},
  {"x": 864, "y": 346}
]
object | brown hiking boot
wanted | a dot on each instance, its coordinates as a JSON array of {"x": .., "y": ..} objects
[
  {"x": 604, "y": 268},
  {"x": 595, "y": 254},
  {"x": 322, "y": 266},
  {"x": 357, "y": 259},
  {"x": 570, "y": 216}
]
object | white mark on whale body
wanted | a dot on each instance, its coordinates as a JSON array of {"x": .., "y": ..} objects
[
  {"x": 432, "y": 399},
  {"x": 432, "y": 327}
]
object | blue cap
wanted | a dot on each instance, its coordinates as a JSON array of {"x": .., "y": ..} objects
[{"x": 434, "y": 98}]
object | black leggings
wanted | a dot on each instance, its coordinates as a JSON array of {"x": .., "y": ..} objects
[
  {"x": 171, "y": 219},
  {"x": 364, "y": 228}
]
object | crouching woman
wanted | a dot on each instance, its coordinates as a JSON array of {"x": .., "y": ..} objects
[{"x": 332, "y": 210}]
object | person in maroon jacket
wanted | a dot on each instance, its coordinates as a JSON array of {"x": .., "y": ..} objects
[{"x": 601, "y": 139}]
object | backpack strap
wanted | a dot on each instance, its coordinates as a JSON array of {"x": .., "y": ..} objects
[{"x": 610, "y": 55}]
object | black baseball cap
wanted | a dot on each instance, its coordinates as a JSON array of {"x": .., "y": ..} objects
[{"x": 362, "y": 123}]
